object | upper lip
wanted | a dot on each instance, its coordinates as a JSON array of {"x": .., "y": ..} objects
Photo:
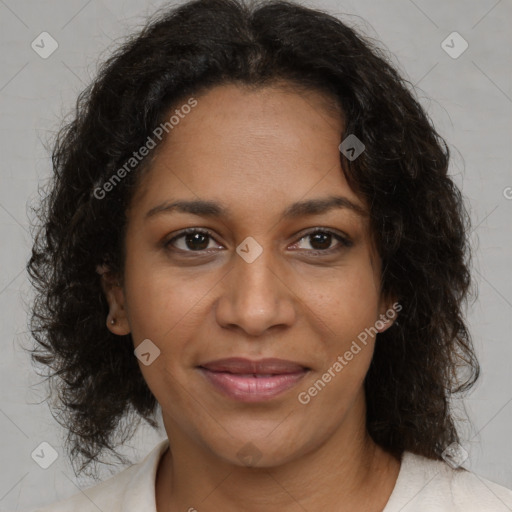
[{"x": 261, "y": 366}]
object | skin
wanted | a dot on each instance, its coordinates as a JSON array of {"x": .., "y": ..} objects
[{"x": 255, "y": 152}]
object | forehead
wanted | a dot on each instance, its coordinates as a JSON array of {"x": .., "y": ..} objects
[{"x": 245, "y": 145}]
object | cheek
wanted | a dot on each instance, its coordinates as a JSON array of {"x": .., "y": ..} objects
[
  {"x": 164, "y": 308},
  {"x": 347, "y": 303},
  {"x": 158, "y": 304}
]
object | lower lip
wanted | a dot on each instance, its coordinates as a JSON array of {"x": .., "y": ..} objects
[{"x": 252, "y": 389}]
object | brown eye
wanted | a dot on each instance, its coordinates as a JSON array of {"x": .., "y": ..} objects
[
  {"x": 196, "y": 241},
  {"x": 190, "y": 240},
  {"x": 322, "y": 240}
]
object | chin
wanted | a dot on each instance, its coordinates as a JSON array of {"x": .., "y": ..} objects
[{"x": 256, "y": 452}]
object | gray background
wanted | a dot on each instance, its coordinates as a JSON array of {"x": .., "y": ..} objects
[{"x": 469, "y": 98}]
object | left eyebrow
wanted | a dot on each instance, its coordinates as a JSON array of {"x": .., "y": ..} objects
[{"x": 323, "y": 205}]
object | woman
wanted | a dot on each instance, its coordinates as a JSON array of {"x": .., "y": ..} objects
[{"x": 251, "y": 227}]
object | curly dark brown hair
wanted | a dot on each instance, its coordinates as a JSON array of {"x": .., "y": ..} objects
[{"x": 417, "y": 214}]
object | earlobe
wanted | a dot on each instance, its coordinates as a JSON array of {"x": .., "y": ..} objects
[
  {"x": 383, "y": 323},
  {"x": 388, "y": 316},
  {"x": 117, "y": 320}
]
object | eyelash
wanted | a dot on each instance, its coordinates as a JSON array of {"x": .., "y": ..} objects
[{"x": 344, "y": 242}]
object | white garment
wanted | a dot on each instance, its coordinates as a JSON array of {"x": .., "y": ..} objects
[{"x": 423, "y": 485}]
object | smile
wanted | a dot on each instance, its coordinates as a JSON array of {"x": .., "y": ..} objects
[{"x": 252, "y": 381}]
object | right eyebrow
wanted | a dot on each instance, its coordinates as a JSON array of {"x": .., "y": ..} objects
[{"x": 196, "y": 207}]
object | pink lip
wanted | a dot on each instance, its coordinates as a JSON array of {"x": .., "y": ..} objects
[{"x": 253, "y": 381}]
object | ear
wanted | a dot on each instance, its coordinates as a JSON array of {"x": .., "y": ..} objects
[
  {"x": 114, "y": 294},
  {"x": 388, "y": 312}
]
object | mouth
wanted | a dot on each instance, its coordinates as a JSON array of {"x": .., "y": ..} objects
[{"x": 253, "y": 381}]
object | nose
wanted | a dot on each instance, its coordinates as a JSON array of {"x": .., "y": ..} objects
[{"x": 256, "y": 296}]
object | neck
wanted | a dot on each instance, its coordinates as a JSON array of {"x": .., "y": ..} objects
[{"x": 348, "y": 472}]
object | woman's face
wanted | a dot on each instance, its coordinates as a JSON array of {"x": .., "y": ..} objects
[{"x": 259, "y": 285}]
